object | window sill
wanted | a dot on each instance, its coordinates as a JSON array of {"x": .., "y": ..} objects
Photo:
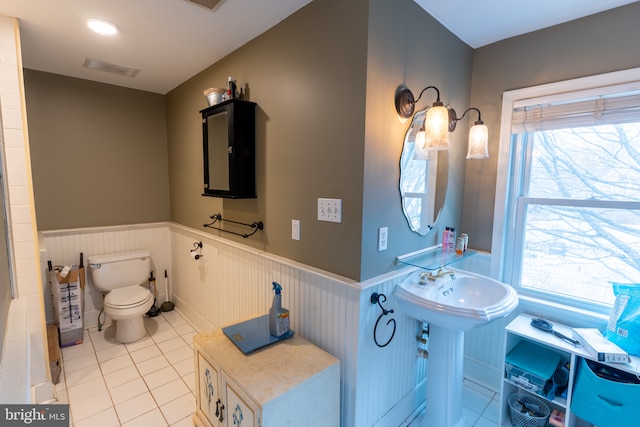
[{"x": 563, "y": 313}]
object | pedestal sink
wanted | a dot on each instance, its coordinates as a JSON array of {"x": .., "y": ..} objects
[{"x": 451, "y": 304}]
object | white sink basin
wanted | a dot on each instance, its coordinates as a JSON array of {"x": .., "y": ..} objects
[
  {"x": 468, "y": 301},
  {"x": 451, "y": 307}
]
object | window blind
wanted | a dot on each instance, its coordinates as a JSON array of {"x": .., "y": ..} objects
[{"x": 593, "y": 111}]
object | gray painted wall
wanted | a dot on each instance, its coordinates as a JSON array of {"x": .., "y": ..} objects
[
  {"x": 324, "y": 80},
  {"x": 596, "y": 44},
  {"x": 407, "y": 46},
  {"x": 308, "y": 77},
  {"x": 324, "y": 83},
  {"x": 98, "y": 152}
]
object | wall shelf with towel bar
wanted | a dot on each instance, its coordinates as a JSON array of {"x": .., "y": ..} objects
[
  {"x": 432, "y": 258},
  {"x": 217, "y": 218}
]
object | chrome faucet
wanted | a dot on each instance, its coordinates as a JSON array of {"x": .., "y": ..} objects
[{"x": 431, "y": 277}]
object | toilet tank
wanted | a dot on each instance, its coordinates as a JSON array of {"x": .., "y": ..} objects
[{"x": 117, "y": 270}]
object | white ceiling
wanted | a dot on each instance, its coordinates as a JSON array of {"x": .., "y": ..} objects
[
  {"x": 169, "y": 41},
  {"x": 482, "y": 22},
  {"x": 172, "y": 40}
]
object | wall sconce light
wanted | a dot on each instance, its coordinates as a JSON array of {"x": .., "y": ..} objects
[
  {"x": 478, "y": 134},
  {"x": 435, "y": 133},
  {"x": 438, "y": 122}
]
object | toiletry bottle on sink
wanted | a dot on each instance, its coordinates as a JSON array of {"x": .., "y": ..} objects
[
  {"x": 278, "y": 316},
  {"x": 449, "y": 239}
]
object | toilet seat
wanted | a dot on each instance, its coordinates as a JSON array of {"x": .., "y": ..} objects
[
  {"x": 127, "y": 306},
  {"x": 127, "y": 298}
]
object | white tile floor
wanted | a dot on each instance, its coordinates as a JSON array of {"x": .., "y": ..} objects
[
  {"x": 146, "y": 383},
  {"x": 481, "y": 406},
  {"x": 151, "y": 382}
]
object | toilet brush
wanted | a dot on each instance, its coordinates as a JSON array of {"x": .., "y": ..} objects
[
  {"x": 153, "y": 311},
  {"x": 166, "y": 305}
]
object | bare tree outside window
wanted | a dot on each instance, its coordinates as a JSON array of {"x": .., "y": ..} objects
[{"x": 581, "y": 202}]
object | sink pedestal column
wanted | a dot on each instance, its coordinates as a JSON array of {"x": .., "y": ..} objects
[{"x": 444, "y": 378}]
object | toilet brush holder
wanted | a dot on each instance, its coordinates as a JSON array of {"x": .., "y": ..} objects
[
  {"x": 153, "y": 311},
  {"x": 166, "y": 305}
]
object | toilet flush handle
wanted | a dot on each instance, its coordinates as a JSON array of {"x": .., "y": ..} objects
[{"x": 95, "y": 265}]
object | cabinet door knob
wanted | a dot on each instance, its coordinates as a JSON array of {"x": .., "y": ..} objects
[{"x": 218, "y": 408}]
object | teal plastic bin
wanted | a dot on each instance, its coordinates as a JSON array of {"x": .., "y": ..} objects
[
  {"x": 531, "y": 366},
  {"x": 604, "y": 402}
]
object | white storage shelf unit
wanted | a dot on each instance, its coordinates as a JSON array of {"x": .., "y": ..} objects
[{"x": 520, "y": 329}]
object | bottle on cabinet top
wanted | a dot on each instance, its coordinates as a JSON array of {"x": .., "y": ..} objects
[{"x": 278, "y": 316}]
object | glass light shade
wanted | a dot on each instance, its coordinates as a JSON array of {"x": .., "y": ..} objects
[
  {"x": 436, "y": 126},
  {"x": 478, "y": 142},
  {"x": 419, "y": 151}
]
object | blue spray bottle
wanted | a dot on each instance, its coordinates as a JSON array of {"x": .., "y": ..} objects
[{"x": 278, "y": 316}]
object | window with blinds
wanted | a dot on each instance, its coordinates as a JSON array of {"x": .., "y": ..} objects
[
  {"x": 610, "y": 109},
  {"x": 573, "y": 195}
]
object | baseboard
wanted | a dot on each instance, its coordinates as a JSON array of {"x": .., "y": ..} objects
[
  {"x": 196, "y": 320},
  {"x": 485, "y": 375},
  {"x": 43, "y": 393},
  {"x": 405, "y": 410}
]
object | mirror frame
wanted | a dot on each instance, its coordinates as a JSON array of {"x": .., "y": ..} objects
[{"x": 440, "y": 174}]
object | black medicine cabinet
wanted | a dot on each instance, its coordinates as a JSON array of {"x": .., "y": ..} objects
[{"x": 228, "y": 133}]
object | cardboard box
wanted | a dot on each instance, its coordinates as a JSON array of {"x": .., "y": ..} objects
[
  {"x": 600, "y": 348},
  {"x": 67, "y": 292}
]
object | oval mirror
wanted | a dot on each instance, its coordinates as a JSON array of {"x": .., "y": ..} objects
[{"x": 423, "y": 181}]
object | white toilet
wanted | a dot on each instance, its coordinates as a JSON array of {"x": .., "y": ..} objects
[{"x": 120, "y": 276}]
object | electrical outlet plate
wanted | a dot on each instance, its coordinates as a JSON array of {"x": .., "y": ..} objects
[
  {"x": 330, "y": 210},
  {"x": 383, "y": 235}
]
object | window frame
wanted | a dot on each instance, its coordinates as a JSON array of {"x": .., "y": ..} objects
[{"x": 507, "y": 231}]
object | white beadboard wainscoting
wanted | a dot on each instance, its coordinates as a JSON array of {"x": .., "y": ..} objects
[
  {"x": 63, "y": 247},
  {"x": 380, "y": 386}
]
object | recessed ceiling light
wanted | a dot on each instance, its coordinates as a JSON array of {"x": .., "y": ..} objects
[{"x": 102, "y": 27}]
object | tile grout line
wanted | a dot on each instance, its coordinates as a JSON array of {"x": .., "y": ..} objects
[
  {"x": 171, "y": 364},
  {"x": 113, "y": 405},
  {"x": 129, "y": 352}
]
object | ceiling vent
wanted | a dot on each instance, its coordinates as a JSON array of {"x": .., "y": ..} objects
[
  {"x": 120, "y": 70},
  {"x": 208, "y": 4}
]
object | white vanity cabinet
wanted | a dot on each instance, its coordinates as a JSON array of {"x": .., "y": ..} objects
[
  {"x": 219, "y": 397},
  {"x": 291, "y": 382},
  {"x": 520, "y": 329},
  {"x": 208, "y": 390}
]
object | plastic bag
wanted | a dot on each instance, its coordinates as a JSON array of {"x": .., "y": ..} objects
[{"x": 624, "y": 322}]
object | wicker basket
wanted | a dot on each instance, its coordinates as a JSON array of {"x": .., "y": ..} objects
[{"x": 528, "y": 411}]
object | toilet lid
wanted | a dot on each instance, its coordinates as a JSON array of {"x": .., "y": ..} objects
[{"x": 130, "y": 296}]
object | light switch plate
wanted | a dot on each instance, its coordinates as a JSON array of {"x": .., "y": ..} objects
[
  {"x": 295, "y": 229},
  {"x": 330, "y": 210}
]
